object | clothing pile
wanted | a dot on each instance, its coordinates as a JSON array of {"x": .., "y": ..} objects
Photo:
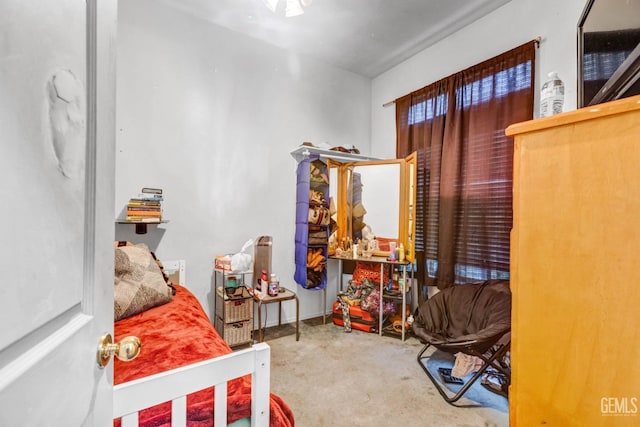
[
  {"x": 493, "y": 380},
  {"x": 359, "y": 306}
]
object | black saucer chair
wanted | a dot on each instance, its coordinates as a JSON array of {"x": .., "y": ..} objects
[{"x": 474, "y": 319}]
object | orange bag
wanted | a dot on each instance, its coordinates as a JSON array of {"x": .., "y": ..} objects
[
  {"x": 360, "y": 320},
  {"x": 371, "y": 272}
]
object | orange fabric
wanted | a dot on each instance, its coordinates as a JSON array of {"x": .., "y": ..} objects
[
  {"x": 177, "y": 334},
  {"x": 371, "y": 272},
  {"x": 383, "y": 243}
]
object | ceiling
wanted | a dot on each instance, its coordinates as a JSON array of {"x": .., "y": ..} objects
[{"x": 366, "y": 37}]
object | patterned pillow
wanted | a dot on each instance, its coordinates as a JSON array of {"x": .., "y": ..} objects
[
  {"x": 139, "y": 284},
  {"x": 120, "y": 243}
]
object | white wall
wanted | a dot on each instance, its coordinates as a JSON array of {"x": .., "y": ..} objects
[
  {"x": 211, "y": 116},
  {"x": 509, "y": 26}
]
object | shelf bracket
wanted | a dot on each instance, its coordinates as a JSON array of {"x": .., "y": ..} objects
[{"x": 141, "y": 228}]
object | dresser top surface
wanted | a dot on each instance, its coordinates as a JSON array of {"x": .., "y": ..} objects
[{"x": 587, "y": 113}]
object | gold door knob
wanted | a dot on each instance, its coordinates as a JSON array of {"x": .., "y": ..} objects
[{"x": 127, "y": 349}]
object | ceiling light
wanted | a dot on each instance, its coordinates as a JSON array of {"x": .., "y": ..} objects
[{"x": 294, "y": 8}]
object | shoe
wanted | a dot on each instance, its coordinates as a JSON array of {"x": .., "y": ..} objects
[{"x": 496, "y": 382}]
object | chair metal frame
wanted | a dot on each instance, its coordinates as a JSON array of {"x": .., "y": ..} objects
[{"x": 495, "y": 355}]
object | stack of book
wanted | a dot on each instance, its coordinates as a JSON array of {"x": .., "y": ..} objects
[{"x": 147, "y": 207}]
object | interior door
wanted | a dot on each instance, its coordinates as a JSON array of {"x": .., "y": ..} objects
[{"x": 57, "y": 127}]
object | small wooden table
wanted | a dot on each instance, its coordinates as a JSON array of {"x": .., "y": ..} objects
[{"x": 284, "y": 295}]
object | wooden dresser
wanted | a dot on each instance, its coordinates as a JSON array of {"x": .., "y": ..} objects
[{"x": 575, "y": 268}]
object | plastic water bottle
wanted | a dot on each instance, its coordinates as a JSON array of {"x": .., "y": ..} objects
[{"x": 551, "y": 95}]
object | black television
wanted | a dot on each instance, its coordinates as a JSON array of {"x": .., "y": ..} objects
[{"x": 608, "y": 51}]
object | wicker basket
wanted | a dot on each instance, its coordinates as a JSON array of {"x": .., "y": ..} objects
[
  {"x": 235, "y": 333},
  {"x": 236, "y": 309}
]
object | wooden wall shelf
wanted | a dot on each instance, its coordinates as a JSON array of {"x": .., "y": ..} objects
[{"x": 141, "y": 227}]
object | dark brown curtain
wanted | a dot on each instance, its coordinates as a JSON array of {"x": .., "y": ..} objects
[{"x": 465, "y": 165}]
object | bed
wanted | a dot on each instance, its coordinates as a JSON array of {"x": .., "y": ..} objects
[{"x": 186, "y": 375}]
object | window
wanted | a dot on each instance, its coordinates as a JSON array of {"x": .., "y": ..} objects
[{"x": 465, "y": 165}]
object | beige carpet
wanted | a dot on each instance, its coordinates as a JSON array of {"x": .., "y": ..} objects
[{"x": 333, "y": 378}]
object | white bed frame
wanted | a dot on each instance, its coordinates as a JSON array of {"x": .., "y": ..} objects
[{"x": 131, "y": 397}]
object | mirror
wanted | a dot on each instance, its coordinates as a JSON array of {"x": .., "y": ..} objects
[
  {"x": 334, "y": 202},
  {"x": 410, "y": 204},
  {"x": 374, "y": 199},
  {"x": 608, "y": 51}
]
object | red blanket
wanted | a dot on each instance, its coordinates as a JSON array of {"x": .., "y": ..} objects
[{"x": 177, "y": 334}]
